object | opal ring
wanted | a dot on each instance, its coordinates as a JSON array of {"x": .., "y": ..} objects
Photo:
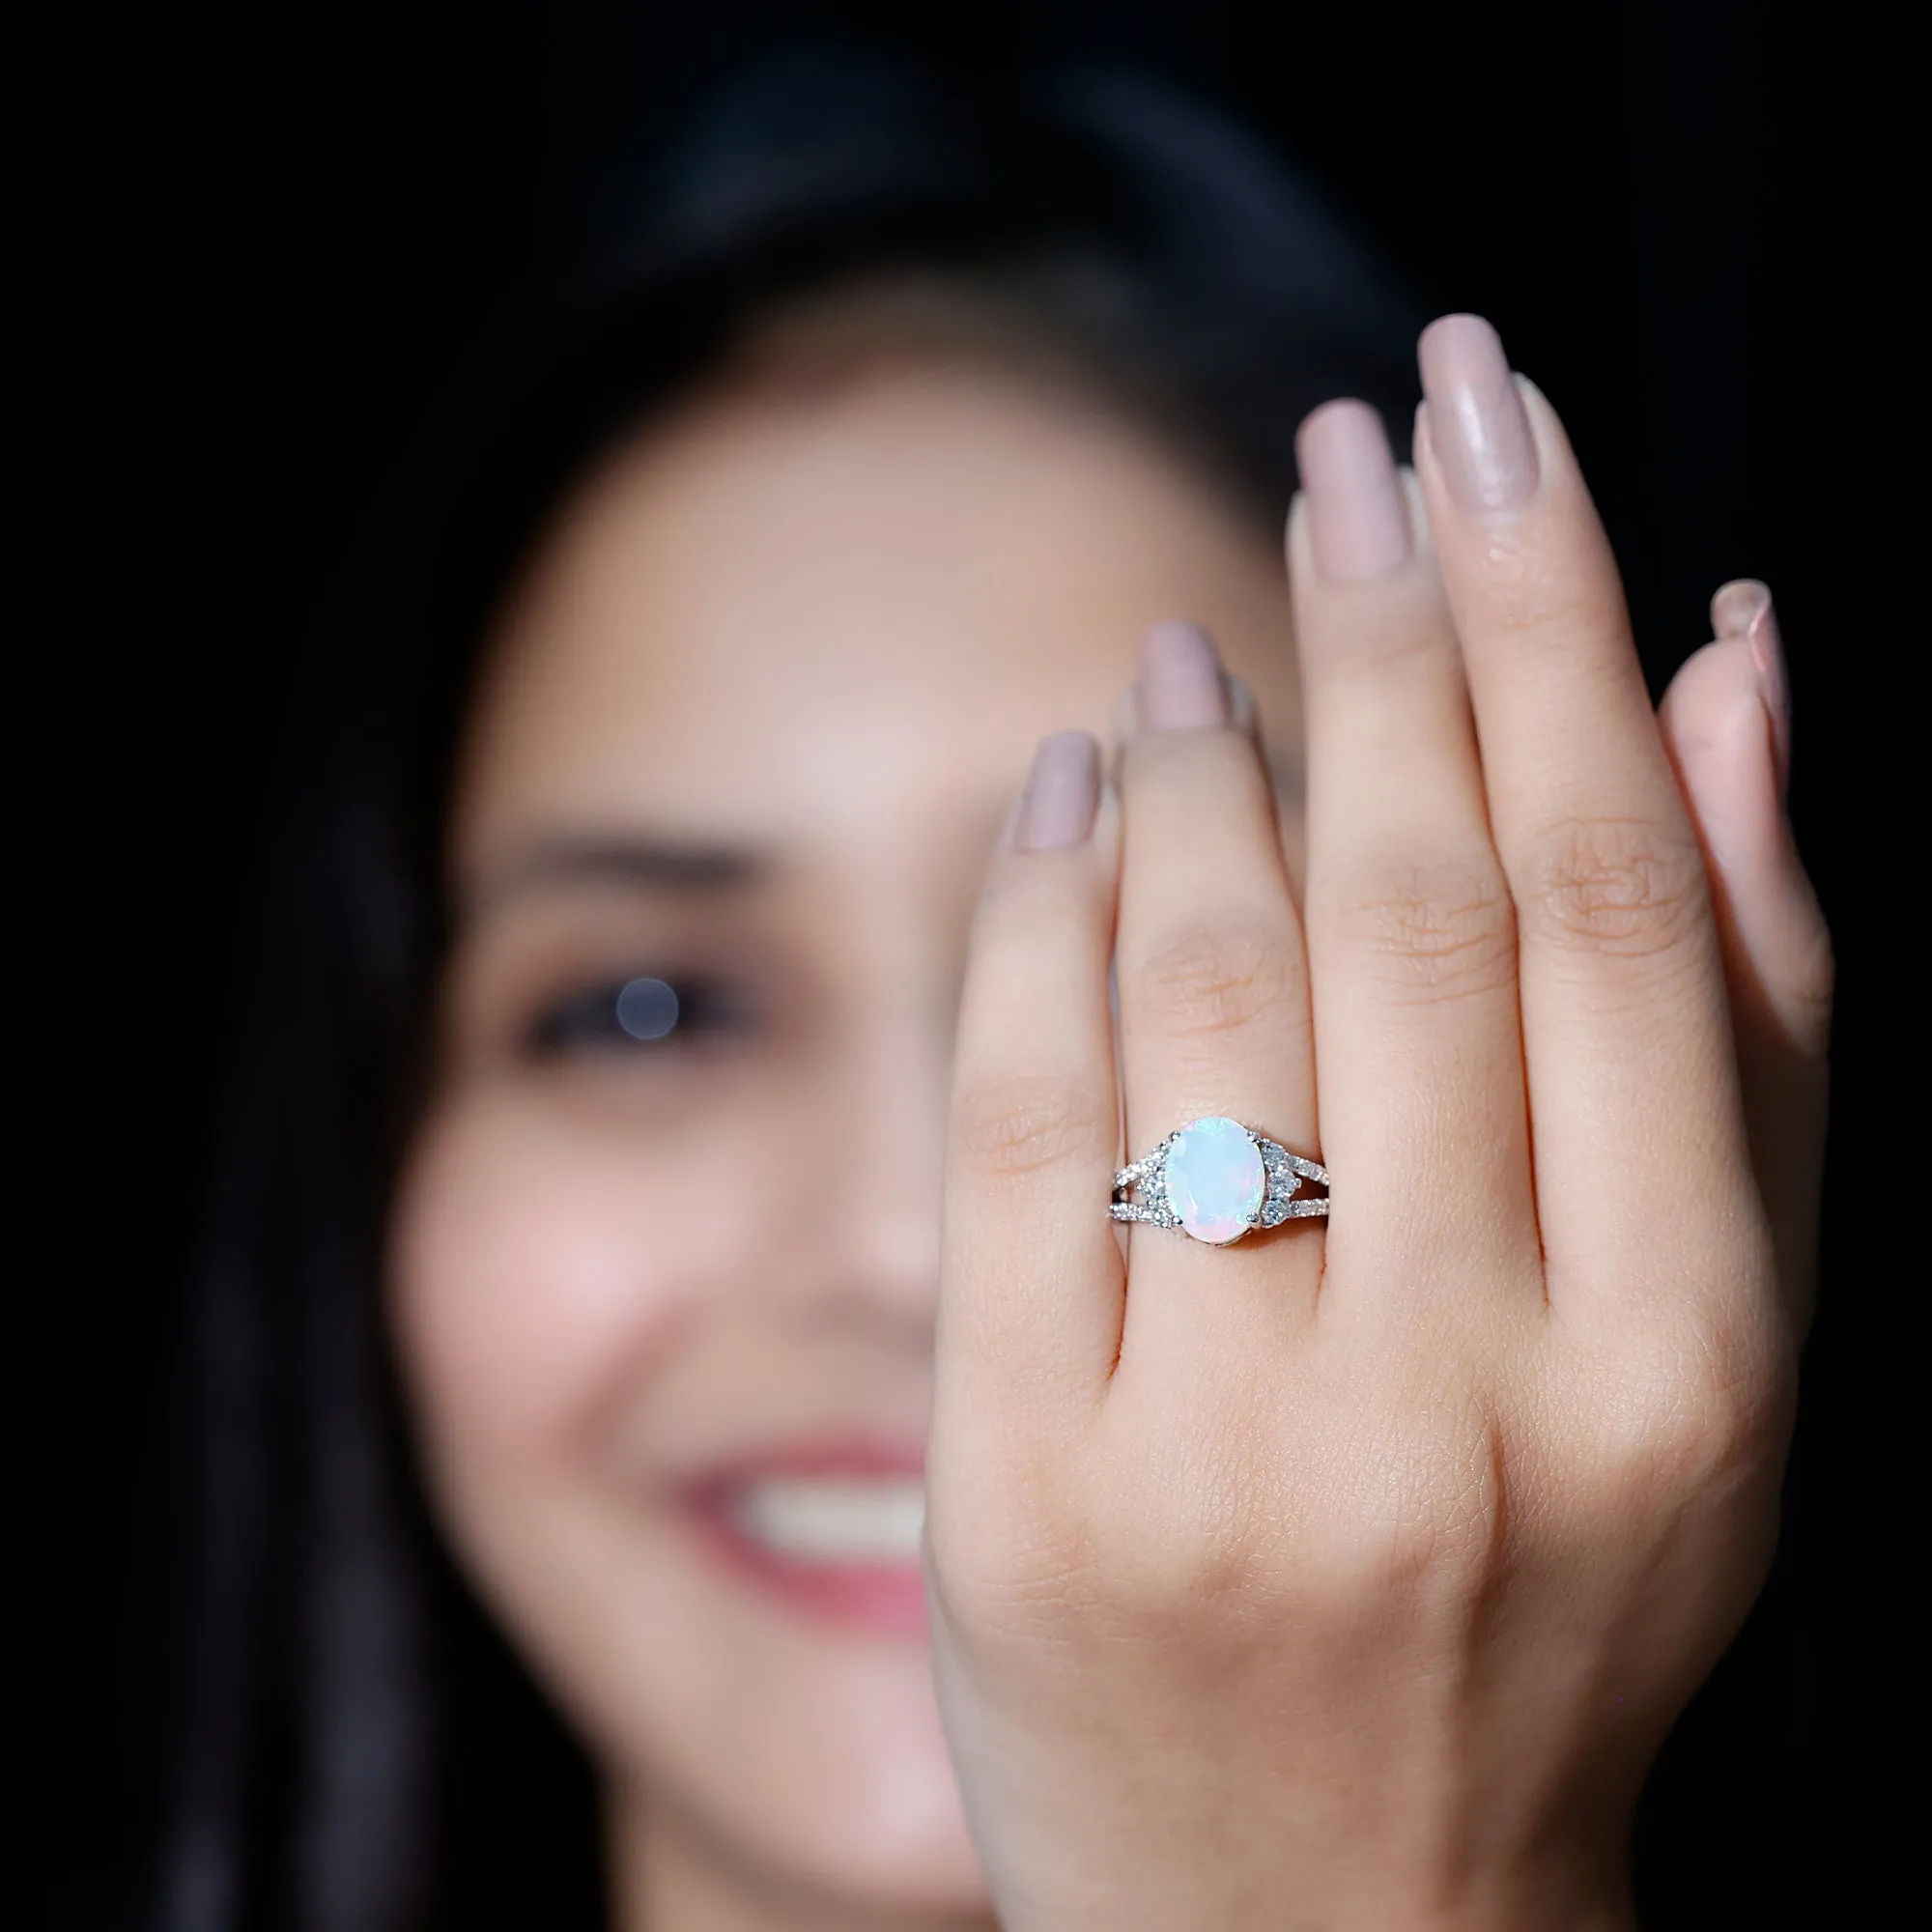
[{"x": 1215, "y": 1179}]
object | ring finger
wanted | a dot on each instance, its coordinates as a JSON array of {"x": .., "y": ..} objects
[{"x": 1212, "y": 976}]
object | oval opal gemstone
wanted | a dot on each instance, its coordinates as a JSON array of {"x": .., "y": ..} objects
[{"x": 1215, "y": 1179}]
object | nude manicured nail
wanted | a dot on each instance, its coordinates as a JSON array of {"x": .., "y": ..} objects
[
  {"x": 1063, "y": 793},
  {"x": 1181, "y": 688},
  {"x": 1357, "y": 521},
  {"x": 1477, "y": 423},
  {"x": 1744, "y": 609}
]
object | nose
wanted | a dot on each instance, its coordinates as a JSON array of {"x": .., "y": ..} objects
[{"x": 877, "y": 1157}]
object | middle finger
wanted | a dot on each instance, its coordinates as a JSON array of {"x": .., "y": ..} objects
[{"x": 1411, "y": 931}]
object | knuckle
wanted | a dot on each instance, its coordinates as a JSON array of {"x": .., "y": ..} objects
[
  {"x": 1214, "y": 979},
  {"x": 1623, "y": 886},
  {"x": 1222, "y": 1580},
  {"x": 1027, "y": 1123},
  {"x": 1404, "y": 631},
  {"x": 1732, "y": 1388},
  {"x": 1709, "y": 1442},
  {"x": 1432, "y": 1557},
  {"x": 1549, "y": 598},
  {"x": 1532, "y": 600},
  {"x": 1707, "y": 1408},
  {"x": 1433, "y": 932},
  {"x": 1008, "y": 1578},
  {"x": 1013, "y": 1547}
]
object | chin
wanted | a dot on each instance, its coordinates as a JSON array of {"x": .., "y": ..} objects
[
  {"x": 776, "y": 1728},
  {"x": 838, "y": 1777}
]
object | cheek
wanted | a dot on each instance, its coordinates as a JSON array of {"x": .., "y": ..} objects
[{"x": 535, "y": 1270}]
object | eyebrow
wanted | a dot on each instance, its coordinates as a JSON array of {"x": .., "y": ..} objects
[{"x": 683, "y": 866}]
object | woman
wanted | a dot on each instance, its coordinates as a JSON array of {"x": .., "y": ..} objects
[{"x": 676, "y": 1158}]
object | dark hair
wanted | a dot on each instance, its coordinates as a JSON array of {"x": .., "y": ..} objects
[{"x": 354, "y": 1747}]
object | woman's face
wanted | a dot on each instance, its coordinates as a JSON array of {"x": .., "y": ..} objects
[{"x": 663, "y": 1263}]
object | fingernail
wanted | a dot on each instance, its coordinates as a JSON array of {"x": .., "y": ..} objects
[
  {"x": 1476, "y": 420},
  {"x": 1181, "y": 688},
  {"x": 1357, "y": 522},
  {"x": 1744, "y": 609},
  {"x": 1063, "y": 793}
]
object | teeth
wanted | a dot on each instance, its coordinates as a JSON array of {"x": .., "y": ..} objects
[{"x": 835, "y": 1519}]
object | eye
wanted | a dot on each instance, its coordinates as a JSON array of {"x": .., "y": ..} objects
[{"x": 643, "y": 1015}]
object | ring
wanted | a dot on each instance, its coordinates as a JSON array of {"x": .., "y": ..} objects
[{"x": 1216, "y": 1179}]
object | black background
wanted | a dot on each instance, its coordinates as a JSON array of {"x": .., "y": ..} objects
[{"x": 1640, "y": 196}]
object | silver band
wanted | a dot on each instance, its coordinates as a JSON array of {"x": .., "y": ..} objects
[{"x": 1140, "y": 1191}]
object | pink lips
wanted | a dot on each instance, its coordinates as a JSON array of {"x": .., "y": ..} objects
[{"x": 873, "y": 1598}]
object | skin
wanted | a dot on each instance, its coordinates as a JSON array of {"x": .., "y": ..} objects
[{"x": 1231, "y": 1622}]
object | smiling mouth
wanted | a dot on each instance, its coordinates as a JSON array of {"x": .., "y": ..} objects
[
  {"x": 839, "y": 1521},
  {"x": 839, "y": 1545}
]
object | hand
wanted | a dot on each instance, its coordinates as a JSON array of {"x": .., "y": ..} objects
[{"x": 1351, "y": 1576}]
